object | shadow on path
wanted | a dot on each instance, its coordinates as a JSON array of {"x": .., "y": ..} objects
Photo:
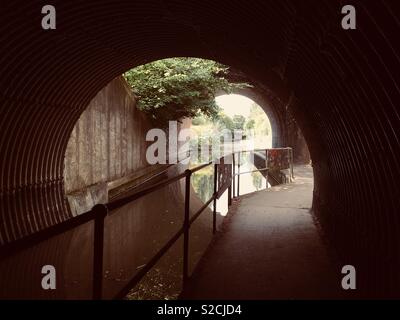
[{"x": 269, "y": 249}]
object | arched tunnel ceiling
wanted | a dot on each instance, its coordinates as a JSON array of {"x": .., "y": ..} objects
[{"x": 344, "y": 87}]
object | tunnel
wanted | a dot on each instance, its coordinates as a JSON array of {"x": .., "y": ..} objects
[{"x": 342, "y": 87}]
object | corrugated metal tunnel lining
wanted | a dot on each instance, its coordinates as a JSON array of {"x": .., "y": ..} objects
[{"x": 344, "y": 84}]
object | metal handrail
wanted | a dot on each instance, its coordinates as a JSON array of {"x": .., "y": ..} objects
[
  {"x": 251, "y": 171},
  {"x": 239, "y": 173},
  {"x": 123, "y": 201},
  {"x": 154, "y": 176},
  {"x": 34, "y": 239},
  {"x": 100, "y": 211}
]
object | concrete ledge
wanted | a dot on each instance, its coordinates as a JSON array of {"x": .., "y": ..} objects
[{"x": 84, "y": 200}]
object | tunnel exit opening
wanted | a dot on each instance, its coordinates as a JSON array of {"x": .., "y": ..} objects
[
  {"x": 110, "y": 144},
  {"x": 104, "y": 153}
]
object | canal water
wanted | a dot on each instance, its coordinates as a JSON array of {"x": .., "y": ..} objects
[
  {"x": 133, "y": 235},
  {"x": 250, "y": 180}
]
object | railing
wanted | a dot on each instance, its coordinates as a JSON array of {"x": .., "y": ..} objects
[
  {"x": 224, "y": 179},
  {"x": 275, "y": 159}
]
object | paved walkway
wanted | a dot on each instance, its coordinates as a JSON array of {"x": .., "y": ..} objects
[{"x": 269, "y": 249}]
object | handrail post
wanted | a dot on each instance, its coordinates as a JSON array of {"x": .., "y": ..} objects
[
  {"x": 238, "y": 184},
  {"x": 100, "y": 211},
  {"x": 229, "y": 196},
  {"x": 266, "y": 165},
  {"x": 186, "y": 227},
  {"x": 233, "y": 174},
  {"x": 291, "y": 164},
  {"x": 215, "y": 199},
  {"x": 230, "y": 191}
]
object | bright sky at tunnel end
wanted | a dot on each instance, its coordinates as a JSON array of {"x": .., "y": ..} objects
[{"x": 235, "y": 104}]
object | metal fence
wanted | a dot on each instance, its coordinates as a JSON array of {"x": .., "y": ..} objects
[
  {"x": 273, "y": 159},
  {"x": 224, "y": 179}
]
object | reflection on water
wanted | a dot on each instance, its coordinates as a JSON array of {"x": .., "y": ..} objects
[
  {"x": 133, "y": 234},
  {"x": 203, "y": 185},
  {"x": 203, "y": 182}
]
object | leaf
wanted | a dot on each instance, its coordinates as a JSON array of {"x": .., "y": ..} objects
[{"x": 173, "y": 88}]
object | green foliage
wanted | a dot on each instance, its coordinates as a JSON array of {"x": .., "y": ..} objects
[
  {"x": 250, "y": 124},
  {"x": 259, "y": 121},
  {"x": 232, "y": 124},
  {"x": 174, "y": 88},
  {"x": 202, "y": 182},
  {"x": 199, "y": 120},
  {"x": 225, "y": 122},
  {"x": 238, "y": 122}
]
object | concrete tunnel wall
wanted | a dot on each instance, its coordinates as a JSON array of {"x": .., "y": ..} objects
[
  {"x": 107, "y": 145},
  {"x": 346, "y": 85},
  {"x": 109, "y": 140}
]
